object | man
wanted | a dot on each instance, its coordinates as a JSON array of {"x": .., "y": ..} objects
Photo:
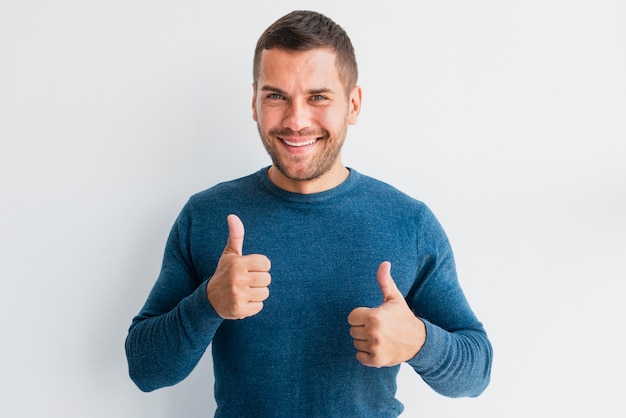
[{"x": 362, "y": 276}]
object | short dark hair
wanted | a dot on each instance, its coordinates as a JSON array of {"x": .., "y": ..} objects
[{"x": 303, "y": 30}]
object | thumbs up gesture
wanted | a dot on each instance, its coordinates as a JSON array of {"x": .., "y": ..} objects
[
  {"x": 389, "y": 334},
  {"x": 240, "y": 283}
]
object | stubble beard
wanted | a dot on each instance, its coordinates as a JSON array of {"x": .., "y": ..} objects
[{"x": 321, "y": 163}]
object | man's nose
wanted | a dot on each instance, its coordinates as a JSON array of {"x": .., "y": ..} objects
[{"x": 297, "y": 117}]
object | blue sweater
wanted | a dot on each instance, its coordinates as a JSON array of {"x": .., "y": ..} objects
[{"x": 296, "y": 357}]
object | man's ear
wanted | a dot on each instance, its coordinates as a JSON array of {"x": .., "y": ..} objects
[
  {"x": 254, "y": 115},
  {"x": 355, "y": 105}
]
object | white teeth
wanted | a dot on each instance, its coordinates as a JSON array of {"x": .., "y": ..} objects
[{"x": 299, "y": 144}]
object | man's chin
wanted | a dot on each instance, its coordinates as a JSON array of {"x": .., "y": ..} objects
[{"x": 298, "y": 174}]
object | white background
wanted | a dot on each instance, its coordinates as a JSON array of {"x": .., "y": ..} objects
[{"x": 507, "y": 117}]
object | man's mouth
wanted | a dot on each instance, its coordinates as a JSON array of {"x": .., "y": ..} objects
[{"x": 299, "y": 144}]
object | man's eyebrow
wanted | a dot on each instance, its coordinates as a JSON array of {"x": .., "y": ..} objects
[
  {"x": 323, "y": 90},
  {"x": 273, "y": 90}
]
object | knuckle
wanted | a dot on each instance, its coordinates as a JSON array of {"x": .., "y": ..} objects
[
  {"x": 375, "y": 317},
  {"x": 258, "y": 309},
  {"x": 233, "y": 294},
  {"x": 376, "y": 360},
  {"x": 376, "y": 335},
  {"x": 238, "y": 307}
]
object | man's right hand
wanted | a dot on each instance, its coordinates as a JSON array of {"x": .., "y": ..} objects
[{"x": 240, "y": 283}]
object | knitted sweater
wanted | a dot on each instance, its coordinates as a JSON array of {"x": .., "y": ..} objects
[{"x": 296, "y": 357}]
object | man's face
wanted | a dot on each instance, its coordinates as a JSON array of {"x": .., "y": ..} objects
[{"x": 302, "y": 113}]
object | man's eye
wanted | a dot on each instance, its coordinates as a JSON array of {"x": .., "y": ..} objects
[
  {"x": 274, "y": 96},
  {"x": 318, "y": 97}
]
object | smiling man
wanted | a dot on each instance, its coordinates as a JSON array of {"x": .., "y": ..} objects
[{"x": 335, "y": 281}]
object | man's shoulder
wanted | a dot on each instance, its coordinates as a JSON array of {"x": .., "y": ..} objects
[
  {"x": 227, "y": 188},
  {"x": 386, "y": 191}
]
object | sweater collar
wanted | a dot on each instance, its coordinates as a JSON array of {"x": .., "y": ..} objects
[{"x": 263, "y": 177}]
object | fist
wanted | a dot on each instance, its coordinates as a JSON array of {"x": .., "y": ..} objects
[
  {"x": 240, "y": 283},
  {"x": 389, "y": 334}
]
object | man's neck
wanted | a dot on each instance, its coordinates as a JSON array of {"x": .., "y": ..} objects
[{"x": 329, "y": 180}]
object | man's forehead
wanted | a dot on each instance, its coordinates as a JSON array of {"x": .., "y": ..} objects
[
  {"x": 309, "y": 64},
  {"x": 311, "y": 56}
]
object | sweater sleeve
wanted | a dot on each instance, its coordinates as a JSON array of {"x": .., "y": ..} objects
[
  {"x": 177, "y": 323},
  {"x": 456, "y": 357}
]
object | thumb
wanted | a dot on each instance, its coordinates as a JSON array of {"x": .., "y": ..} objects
[
  {"x": 387, "y": 285},
  {"x": 235, "y": 235}
]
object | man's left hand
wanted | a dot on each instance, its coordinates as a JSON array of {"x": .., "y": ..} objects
[{"x": 389, "y": 334}]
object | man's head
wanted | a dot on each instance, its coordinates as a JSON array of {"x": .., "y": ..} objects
[
  {"x": 305, "y": 30},
  {"x": 304, "y": 97}
]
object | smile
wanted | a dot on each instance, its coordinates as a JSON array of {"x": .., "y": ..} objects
[{"x": 299, "y": 144}]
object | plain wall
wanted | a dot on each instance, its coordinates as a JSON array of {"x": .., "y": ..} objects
[{"x": 507, "y": 118}]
